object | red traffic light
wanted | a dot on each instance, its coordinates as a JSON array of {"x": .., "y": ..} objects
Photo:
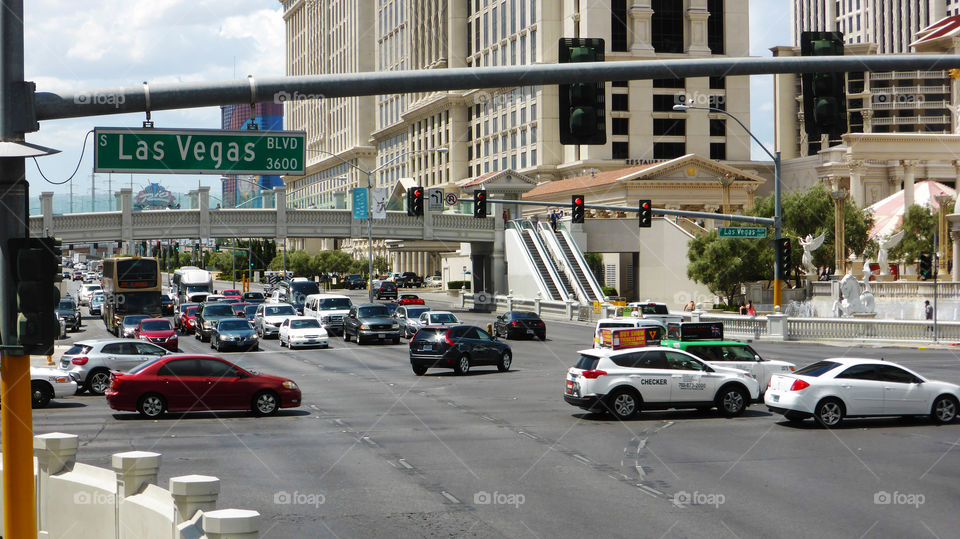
[
  {"x": 578, "y": 201},
  {"x": 417, "y": 192},
  {"x": 481, "y": 196},
  {"x": 646, "y": 206}
]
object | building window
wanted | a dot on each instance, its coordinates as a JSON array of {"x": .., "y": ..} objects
[
  {"x": 665, "y": 103},
  {"x": 620, "y": 150},
  {"x": 669, "y": 83},
  {"x": 718, "y": 150},
  {"x": 621, "y": 126},
  {"x": 621, "y": 84},
  {"x": 618, "y": 25},
  {"x": 715, "y": 26},
  {"x": 669, "y": 150},
  {"x": 718, "y": 128},
  {"x": 669, "y": 127},
  {"x": 667, "y": 26},
  {"x": 718, "y": 83},
  {"x": 620, "y": 102}
]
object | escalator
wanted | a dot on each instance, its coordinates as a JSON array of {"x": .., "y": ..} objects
[
  {"x": 577, "y": 265},
  {"x": 527, "y": 236}
]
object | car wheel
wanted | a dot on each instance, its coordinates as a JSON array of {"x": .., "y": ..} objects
[
  {"x": 40, "y": 393},
  {"x": 505, "y": 361},
  {"x": 255, "y": 348},
  {"x": 623, "y": 403},
  {"x": 944, "y": 409},
  {"x": 419, "y": 370},
  {"x": 794, "y": 417},
  {"x": 265, "y": 403},
  {"x": 280, "y": 340},
  {"x": 463, "y": 365},
  {"x": 346, "y": 336},
  {"x": 732, "y": 401},
  {"x": 151, "y": 405},
  {"x": 98, "y": 381},
  {"x": 828, "y": 413}
]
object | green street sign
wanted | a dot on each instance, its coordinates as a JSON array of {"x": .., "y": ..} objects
[
  {"x": 199, "y": 151},
  {"x": 741, "y": 232}
]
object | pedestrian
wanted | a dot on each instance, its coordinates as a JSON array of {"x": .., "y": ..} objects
[
  {"x": 691, "y": 306},
  {"x": 553, "y": 220},
  {"x": 928, "y": 309},
  {"x": 743, "y": 309},
  {"x": 750, "y": 310}
]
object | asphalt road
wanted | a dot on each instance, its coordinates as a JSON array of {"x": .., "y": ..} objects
[{"x": 376, "y": 451}]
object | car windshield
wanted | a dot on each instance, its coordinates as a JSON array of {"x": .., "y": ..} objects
[
  {"x": 331, "y": 304},
  {"x": 517, "y": 315},
  {"x": 818, "y": 368},
  {"x": 192, "y": 289},
  {"x": 98, "y": 295},
  {"x": 133, "y": 321},
  {"x": 78, "y": 349},
  {"x": 191, "y": 311},
  {"x": 444, "y": 318},
  {"x": 373, "y": 310},
  {"x": 228, "y": 325},
  {"x": 223, "y": 309},
  {"x": 304, "y": 324},
  {"x": 155, "y": 325},
  {"x": 231, "y": 293},
  {"x": 280, "y": 310},
  {"x": 253, "y": 295},
  {"x": 430, "y": 335},
  {"x": 65, "y": 304},
  {"x": 387, "y": 285},
  {"x": 250, "y": 309},
  {"x": 415, "y": 312}
]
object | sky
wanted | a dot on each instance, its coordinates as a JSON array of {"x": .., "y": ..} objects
[{"x": 112, "y": 43}]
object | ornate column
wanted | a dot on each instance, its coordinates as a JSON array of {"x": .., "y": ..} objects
[
  {"x": 725, "y": 182},
  {"x": 641, "y": 14},
  {"x": 698, "y": 14},
  {"x": 955, "y": 238},
  {"x": 857, "y": 190},
  {"x": 909, "y": 177},
  {"x": 867, "y": 120},
  {"x": 714, "y": 223},
  {"x": 839, "y": 196},
  {"x": 751, "y": 195},
  {"x": 942, "y": 232}
]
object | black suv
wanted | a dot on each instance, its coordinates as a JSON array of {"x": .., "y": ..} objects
[
  {"x": 409, "y": 279},
  {"x": 208, "y": 315},
  {"x": 385, "y": 290},
  {"x": 68, "y": 311},
  {"x": 371, "y": 321},
  {"x": 354, "y": 281},
  {"x": 457, "y": 348}
]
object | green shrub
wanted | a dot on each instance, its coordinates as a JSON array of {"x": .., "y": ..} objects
[
  {"x": 609, "y": 291},
  {"x": 458, "y": 285}
]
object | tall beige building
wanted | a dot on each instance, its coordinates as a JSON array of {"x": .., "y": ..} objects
[{"x": 513, "y": 128}]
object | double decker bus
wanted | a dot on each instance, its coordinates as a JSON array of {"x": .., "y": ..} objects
[{"x": 130, "y": 286}]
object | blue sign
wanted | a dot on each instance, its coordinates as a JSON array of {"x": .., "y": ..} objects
[{"x": 360, "y": 208}]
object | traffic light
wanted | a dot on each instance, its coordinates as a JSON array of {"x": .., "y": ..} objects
[
  {"x": 646, "y": 214},
  {"x": 415, "y": 201},
  {"x": 480, "y": 204},
  {"x": 925, "y": 270},
  {"x": 781, "y": 257},
  {"x": 176, "y": 248},
  {"x": 576, "y": 212},
  {"x": 824, "y": 101},
  {"x": 582, "y": 109},
  {"x": 36, "y": 267}
]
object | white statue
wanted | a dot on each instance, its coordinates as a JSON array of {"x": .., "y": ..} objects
[
  {"x": 885, "y": 245},
  {"x": 810, "y": 244},
  {"x": 854, "y": 301}
]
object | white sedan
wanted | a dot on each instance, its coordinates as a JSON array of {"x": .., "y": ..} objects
[
  {"x": 835, "y": 388},
  {"x": 302, "y": 331},
  {"x": 48, "y": 383}
]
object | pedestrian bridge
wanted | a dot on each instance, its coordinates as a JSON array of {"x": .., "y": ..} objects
[{"x": 281, "y": 222}]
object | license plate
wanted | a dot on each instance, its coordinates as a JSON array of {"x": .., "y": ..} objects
[
  {"x": 427, "y": 347},
  {"x": 775, "y": 397},
  {"x": 529, "y": 332},
  {"x": 381, "y": 335}
]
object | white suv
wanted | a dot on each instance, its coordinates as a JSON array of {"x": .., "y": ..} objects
[
  {"x": 329, "y": 309},
  {"x": 625, "y": 381}
]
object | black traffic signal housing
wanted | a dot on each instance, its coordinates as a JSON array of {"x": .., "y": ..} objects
[
  {"x": 582, "y": 104},
  {"x": 925, "y": 269},
  {"x": 646, "y": 213},
  {"x": 415, "y": 201},
  {"x": 576, "y": 210},
  {"x": 824, "y": 98},
  {"x": 36, "y": 267},
  {"x": 480, "y": 204},
  {"x": 781, "y": 257}
]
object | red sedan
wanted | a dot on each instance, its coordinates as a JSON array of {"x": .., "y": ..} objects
[
  {"x": 158, "y": 331},
  {"x": 188, "y": 319},
  {"x": 231, "y": 294},
  {"x": 409, "y": 299},
  {"x": 198, "y": 383},
  {"x": 240, "y": 308}
]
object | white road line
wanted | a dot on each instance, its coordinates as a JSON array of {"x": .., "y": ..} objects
[
  {"x": 449, "y": 496},
  {"x": 581, "y": 458},
  {"x": 487, "y": 418},
  {"x": 528, "y": 435},
  {"x": 653, "y": 492},
  {"x": 404, "y": 464}
]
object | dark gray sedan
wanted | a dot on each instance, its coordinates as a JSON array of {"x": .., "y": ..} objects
[
  {"x": 236, "y": 333},
  {"x": 371, "y": 321}
]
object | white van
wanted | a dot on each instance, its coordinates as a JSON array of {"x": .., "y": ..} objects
[
  {"x": 329, "y": 309},
  {"x": 626, "y": 322}
]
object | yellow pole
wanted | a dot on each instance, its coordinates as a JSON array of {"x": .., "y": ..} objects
[
  {"x": 16, "y": 423},
  {"x": 777, "y": 298}
]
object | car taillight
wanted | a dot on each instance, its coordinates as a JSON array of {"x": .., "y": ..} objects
[
  {"x": 82, "y": 360},
  {"x": 514, "y": 323},
  {"x": 114, "y": 381},
  {"x": 448, "y": 339},
  {"x": 799, "y": 385},
  {"x": 593, "y": 373}
]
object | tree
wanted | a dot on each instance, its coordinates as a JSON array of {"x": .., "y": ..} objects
[
  {"x": 920, "y": 224},
  {"x": 300, "y": 263},
  {"x": 595, "y": 261},
  {"x": 381, "y": 264},
  {"x": 723, "y": 264}
]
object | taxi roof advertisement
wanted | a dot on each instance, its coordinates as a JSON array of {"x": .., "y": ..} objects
[{"x": 619, "y": 338}]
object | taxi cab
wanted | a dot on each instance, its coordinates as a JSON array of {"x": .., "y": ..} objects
[
  {"x": 631, "y": 372},
  {"x": 705, "y": 340}
]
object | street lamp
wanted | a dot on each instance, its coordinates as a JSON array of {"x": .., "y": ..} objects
[
  {"x": 369, "y": 174},
  {"x": 777, "y": 208}
]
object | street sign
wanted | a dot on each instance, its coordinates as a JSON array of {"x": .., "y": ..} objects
[
  {"x": 451, "y": 199},
  {"x": 199, "y": 151},
  {"x": 435, "y": 199},
  {"x": 741, "y": 232},
  {"x": 360, "y": 203}
]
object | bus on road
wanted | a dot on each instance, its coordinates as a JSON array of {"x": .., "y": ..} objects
[{"x": 130, "y": 286}]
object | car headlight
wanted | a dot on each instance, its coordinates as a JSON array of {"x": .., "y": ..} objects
[
  {"x": 290, "y": 384},
  {"x": 227, "y": 337},
  {"x": 394, "y": 325}
]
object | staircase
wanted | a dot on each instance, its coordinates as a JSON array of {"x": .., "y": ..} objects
[{"x": 540, "y": 264}]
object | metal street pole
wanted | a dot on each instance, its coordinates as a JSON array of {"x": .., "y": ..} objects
[
  {"x": 777, "y": 209},
  {"x": 16, "y": 415}
]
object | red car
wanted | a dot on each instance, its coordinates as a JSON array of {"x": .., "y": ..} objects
[
  {"x": 240, "y": 308},
  {"x": 408, "y": 299},
  {"x": 231, "y": 294},
  {"x": 158, "y": 331},
  {"x": 198, "y": 383},
  {"x": 188, "y": 319}
]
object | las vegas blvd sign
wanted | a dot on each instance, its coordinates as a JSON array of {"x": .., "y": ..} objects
[{"x": 199, "y": 151}]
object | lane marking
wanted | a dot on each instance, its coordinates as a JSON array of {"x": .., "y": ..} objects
[
  {"x": 581, "y": 458},
  {"x": 403, "y": 463},
  {"x": 528, "y": 435},
  {"x": 449, "y": 496}
]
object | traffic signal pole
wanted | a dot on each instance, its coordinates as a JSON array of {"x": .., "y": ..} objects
[{"x": 16, "y": 415}]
